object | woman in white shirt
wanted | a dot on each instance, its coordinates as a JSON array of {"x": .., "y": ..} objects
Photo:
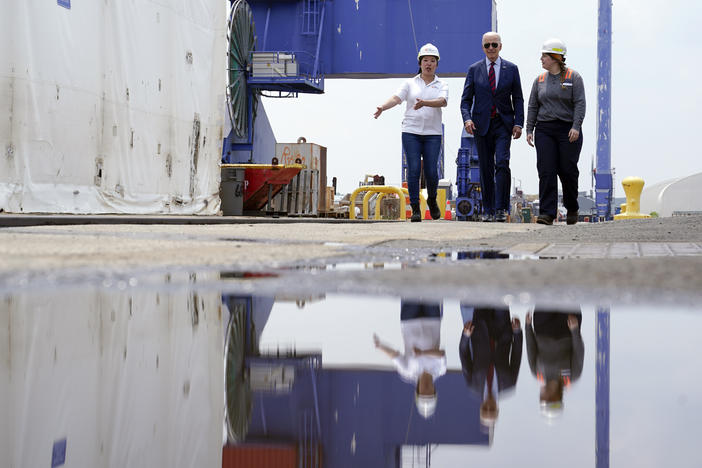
[
  {"x": 423, "y": 360},
  {"x": 425, "y": 95}
]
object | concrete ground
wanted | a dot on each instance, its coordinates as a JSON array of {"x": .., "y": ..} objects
[{"x": 655, "y": 260}]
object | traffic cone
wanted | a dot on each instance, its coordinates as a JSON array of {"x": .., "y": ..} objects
[{"x": 447, "y": 213}]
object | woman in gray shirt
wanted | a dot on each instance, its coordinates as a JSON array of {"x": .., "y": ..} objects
[{"x": 557, "y": 109}]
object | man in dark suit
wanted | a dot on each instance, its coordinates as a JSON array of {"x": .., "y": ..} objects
[
  {"x": 491, "y": 354},
  {"x": 493, "y": 111}
]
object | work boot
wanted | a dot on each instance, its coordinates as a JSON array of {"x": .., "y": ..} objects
[
  {"x": 501, "y": 216},
  {"x": 434, "y": 210},
  {"x": 544, "y": 219},
  {"x": 416, "y": 213},
  {"x": 572, "y": 217}
]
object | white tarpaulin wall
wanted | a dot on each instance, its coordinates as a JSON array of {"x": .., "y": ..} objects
[
  {"x": 683, "y": 194},
  {"x": 112, "y": 106},
  {"x": 126, "y": 379}
]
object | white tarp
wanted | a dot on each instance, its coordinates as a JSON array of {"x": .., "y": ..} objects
[
  {"x": 112, "y": 106},
  {"x": 124, "y": 378},
  {"x": 665, "y": 198}
]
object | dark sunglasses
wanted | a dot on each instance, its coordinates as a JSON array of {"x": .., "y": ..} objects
[{"x": 494, "y": 45}]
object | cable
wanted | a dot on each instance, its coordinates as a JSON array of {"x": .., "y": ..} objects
[
  {"x": 409, "y": 424},
  {"x": 414, "y": 33}
]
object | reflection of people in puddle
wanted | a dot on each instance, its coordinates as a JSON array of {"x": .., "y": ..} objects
[
  {"x": 556, "y": 352},
  {"x": 422, "y": 362},
  {"x": 491, "y": 353}
]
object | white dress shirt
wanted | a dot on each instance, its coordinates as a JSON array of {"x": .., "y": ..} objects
[{"x": 423, "y": 334}]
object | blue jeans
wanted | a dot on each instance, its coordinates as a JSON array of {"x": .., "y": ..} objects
[
  {"x": 418, "y": 147},
  {"x": 410, "y": 310}
]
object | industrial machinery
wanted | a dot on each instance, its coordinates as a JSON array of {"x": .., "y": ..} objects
[
  {"x": 253, "y": 73},
  {"x": 469, "y": 202}
]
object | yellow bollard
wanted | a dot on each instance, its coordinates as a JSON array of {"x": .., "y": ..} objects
[
  {"x": 632, "y": 188},
  {"x": 352, "y": 200},
  {"x": 622, "y": 208},
  {"x": 441, "y": 201},
  {"x": 366, "y": 199}
]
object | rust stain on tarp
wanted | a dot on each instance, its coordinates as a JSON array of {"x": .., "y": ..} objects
[
  {"x": 10, "y": 148},
  {"x": 194, "y": 152},
  {"x": 169, "y": 165}
]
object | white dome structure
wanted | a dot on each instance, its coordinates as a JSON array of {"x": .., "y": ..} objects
[{"x": 673, "y": 195}]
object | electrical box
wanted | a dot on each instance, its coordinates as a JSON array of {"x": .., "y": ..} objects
[{"x": 273, "y": 64}]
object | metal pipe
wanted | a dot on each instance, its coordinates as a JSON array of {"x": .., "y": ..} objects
[
  {"x": 602, "y": 389},
  {"x": 366, "y": 199},
  {"x": 377, "y": 205},
  {"x": 265, "y": 29},
  {"x": 316, "y": 399},
  {"x": 319, "y": 42},
  {"x": 603, "y": 176}
]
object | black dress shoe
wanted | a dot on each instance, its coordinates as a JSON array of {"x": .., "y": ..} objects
[
  {"x": 488, "y": 218},
  {"x": 572, "y": 217},
  {"x": 544, "y": 219},
  {"x": 501, "y": 216}
]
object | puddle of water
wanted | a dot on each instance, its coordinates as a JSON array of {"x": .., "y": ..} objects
[
  {"x": 163, "y": 376},
  {"x": 481, "y": 255},
  {"x": 227, "y": 275}
]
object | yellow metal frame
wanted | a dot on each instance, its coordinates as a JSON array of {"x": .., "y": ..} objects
[
  {"x": 422, "y": 202},
  {"x": 371, "y": 189}
]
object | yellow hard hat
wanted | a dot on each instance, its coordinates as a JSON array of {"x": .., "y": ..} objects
[{"x": 428, "y": 49}]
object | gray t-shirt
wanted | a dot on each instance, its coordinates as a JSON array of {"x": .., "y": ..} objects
[{"x": 552, "y": 100}]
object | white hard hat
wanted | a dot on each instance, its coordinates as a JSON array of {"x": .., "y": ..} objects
[
  {"x": 551, "y": 410},
  {"x": 426, "y": 405},
  {"x": 554, "y": 46},
  {"x": 428, "y": 49}
]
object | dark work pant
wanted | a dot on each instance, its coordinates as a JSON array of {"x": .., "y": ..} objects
[
  {"x": 495, "y": 176},
  {"x": 557, "y": 158},
  {"x": 413, "y": 310},
  {"x": 418, "y": 147},
  {"x": 554, "y": 324},
  {"x": 498, "y": 322}
]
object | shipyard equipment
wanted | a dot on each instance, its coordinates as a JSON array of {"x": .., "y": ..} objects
[
  {"x": 281, "y": 48},
  {"x": 469, "y": 204}
]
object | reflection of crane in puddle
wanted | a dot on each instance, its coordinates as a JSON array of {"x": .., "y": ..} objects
[
  {"x": 602, "y": 389},
  {"x": 332, "y": 416}
]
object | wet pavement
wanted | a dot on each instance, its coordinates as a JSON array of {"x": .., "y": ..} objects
[{"x": 133, "y": 345}]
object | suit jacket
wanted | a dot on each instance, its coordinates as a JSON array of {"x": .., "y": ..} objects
[
  {"x": 506, "y": 357},
  {"x": 477, "y": 99}
]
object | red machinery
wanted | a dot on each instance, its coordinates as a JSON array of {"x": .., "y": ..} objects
[{"x": 264, "y": 181}]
